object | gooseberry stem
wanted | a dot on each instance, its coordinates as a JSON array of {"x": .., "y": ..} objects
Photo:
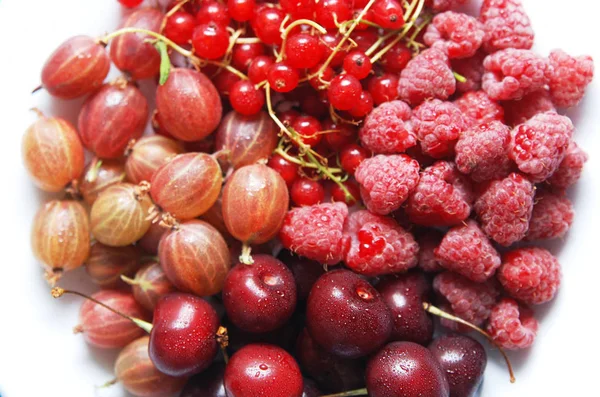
[
  {"x": 440, "y": 313},
  {"x": 357, "y": 392},
  {"x": 57, "y": 292},
  {"x": 246, "y": 257}
]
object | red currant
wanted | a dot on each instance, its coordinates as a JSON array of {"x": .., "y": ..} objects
[
  {"x": 396, "y": 58},
  {"x": 338, "y": 135},
  {"x": 243, "y": 54},
  {"x": 308, "y": 128},
  {"x": 344, "y": 91},
  {"x": 288, "y": 117},
  {"x": 282, "y": 77},
  {"x": 326, "y": 76},
  {"x": 210, "y": 41},
  {"x": 328, "y": 12},
  {"x": 329, "y": 42},
  {"x": 224, "y": 81},
  {"x": 388, "y": 14},
  {"x": 241, "y": 10},
  {"x": 245, "y": 98},
  {"x": 383, "y": 88},
  {"x": 180, "y": 27},
  {"x": 266, "y": 23},
  {"x": 213, "y": 11},
  {"x": 315, "y": 105},
  {"x": 298, "y": 9},
  {"x": 351, "y": 156},
  {"x": 258, "y": 70},
  {"x": 307, "y": 192},
  {"x": 285, "y": 168},
  {"x": 364, "y": 39},
  {"x": 363, "y": 106},
  {"x": 130, "y": 3},
  {"x": 357, "y": 64},
  {"x": 338, "y": 194},
  {"x": 303, "y": 51}
]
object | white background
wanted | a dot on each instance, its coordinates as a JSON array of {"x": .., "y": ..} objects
[{"x": 39, "y": 355}]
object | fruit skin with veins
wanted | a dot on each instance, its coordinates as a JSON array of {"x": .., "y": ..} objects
[
  {"x": 148, "y": 154},
  {"x": 150, "y": 284}
]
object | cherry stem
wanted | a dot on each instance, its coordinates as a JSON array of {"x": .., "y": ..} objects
[
  {"x": 245, "y": 257},
  {"x": 459, "y": 77},
  {"x": 440, "y": 313},
  {"x": 223, "y": 340},
  {"x": 357, "y": 392},
  {"x": 57, "y": 292}
]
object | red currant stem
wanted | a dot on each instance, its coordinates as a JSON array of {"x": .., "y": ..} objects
[
  {"x": 224, "y": 66},
  {"x": 440, "y": 313},
  {"x": 246, "y": 257},
  {"x": 38, "y": 112},
  {"x": 232, "y": 41},
  {"x": 294, "y": 160},
  {"x": 381, "y": 40},
  {"x": 326, "y": 171},
  {"x": 343, "y": 39},
  {"x": 344, "y": 25},
  {"x": 339, "y": 119},
  {"x": 57, "y": 292},
  {"x": 92, "y": 173},
  {"x": 158, "y": 36},
  {"x": 247, "y": 40},
  {"x": 172, "y": 11},
  {"x": 288, "y": 29},
  {"x": 459, "y": 77},
  {"x": 357, "y": 392}
]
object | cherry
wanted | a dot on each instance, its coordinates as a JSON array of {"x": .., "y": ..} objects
[
  {"x": 406, "y": 369},
  {"x": 245, "y": 98},
  {"x": 310, "y": 389},
  {"x": 328, "y": 12},
  {"x": 308, "y": 128},
  {"x": 284, "y": 337},
  {"x": 305, "y": 271},
  {"x": 351, "y": 156},
  {"x": 262, "y": 370},
  {"x": 209, "y": 383},
  {"x": 210, "y": 40},
  {"x": 285, "y": 168},
  {"x": 363, "y": 106},
  {"x": 357, "y": 64},
  {"x": 344, "y": 91},
  {"x": 241, "y": 10},
  {"x": 329, "y": 42},
  {"x": 388, "y": 14},
  {"x": 260, "y": 297},
  {"x": 332, "y": 373},
  {"x": 463, "y": 360},
  {"x": 303, "y": 51},
  {"x": 183, "y": 339},
  {"x": 404, "y": 295},
  {"x": 266, "y": 23},
  {"x": 258, "y": 69},
  {"x": 337, "y": 194},
  {"x": 282, "y": 77},
  {"x": 243, "y": 54},
  {"x": 131, "y": 3},
  {"x": 396, "y": 59},
  {"x": 305, "y": 191},
  {"x": 213, "y": 11},
  {"x": 180, "y": 27},
  {"x": 338, "y": 135},
  {"x": 320, "y": 82},
  {"x": 346, "y": 315},
  {"x": 383, "y": 88}
]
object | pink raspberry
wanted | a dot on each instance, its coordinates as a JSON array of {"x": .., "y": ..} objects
[
  {"x": 466, "y": 250},
  {"x": 468, "y": 300},
  {"x": 551, "y": 218},
  {"x": 443, "y": 197},
  {"x": 539, "y": 145},
  {"x": 378, "y": 245},
  {"x": 570, "y": 77},
  {"x": 482, "y": 152},
  {"x": 428, "y": 242},
  {"x": 428, "y": 75},
  {"x": 458, "y": 35},
  {"x": 511, "y": 325},
  {"x": 387, "y": 128},
  {"x": 519, "y": 111},
  {"x": 438, "y": 125},
  {"x": 570, "y": 169},
  {"x": 504, "y": 208},
  {"x": 386, "y": 181},
  {"x": 471, "y": 69},
  {"x": 444, "y": 5},
  {"x": 477, "y": 108},
  {"x": 531, "y": 275},
  {"x": 506, "y": 25},
  {"x": 512, "y": 74},
  {"x": 316, "y": 232}
]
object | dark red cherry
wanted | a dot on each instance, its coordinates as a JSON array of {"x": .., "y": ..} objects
[
  {"x": 463, "y": 360},
  {"x": 263, "y": 370},
  {"x": 305, "y": 271},
  {"x": 404, "y": 295},
  {"x": 332, "y": 373},
  {"x": 183, "y": 338},
  {"x": 310, "y": 389},
  {"x": 346, "y": 315},
  {"x": 405, "y": 369},
  {"x": 260, "y": 297},
  {"x": 207, "y": 384}
]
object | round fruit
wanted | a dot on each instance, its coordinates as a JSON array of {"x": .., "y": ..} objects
[
  {"x": 105, "y": 265},
  {"x": 147, "y": 155},
  {"x": 150, "y": 284},
  {"x": 100, "y": 175}
]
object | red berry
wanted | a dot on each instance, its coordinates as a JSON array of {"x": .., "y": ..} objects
[
  {"x": 243, "y": 54},
  {"x": 428, "y": 241},
  {"x": 396, "y": 59},
  {"x": 338, "y": 194},
  {"x": 383, "y": 88},
  {"x": 363, "y": 106},
  {"x": 518, "y": 111},
  {"x": 338, "y": 135},
  {"x": 180, "y": 27},
  {"x": 388, "y": 14},
  {"x": 285, "y": 168},
  {"x": 315, "y": 105},
  {"x": 266, "y": 24},
  {"x": 438, "y": 125},
  {"x": 551, "y": 218},
  {"x": 329, "y": 42},
  {"x": 569, "y": 170},
  {"x": 210, "y": 41},
  {"x": 357, "y": 64},
  {"x": 131, "y": 3},
  {"x": 512, "y": 325},
  {"x": 387, "y": 128},
  {"x": 303, "y": 51},
  {"x": 224, "y": 81},
  {"x": 319, "y": 82},
  {"x": 308, "y": 128},
  {"x": 457, "y": 34},
  {"x": 298, "y": 9},
  {"x": 258, "y": 70},
  {"x": 245, "y": 98},
  {"x": 570, "y": 77},
  {"x": 478, "y": 108},
  {"x": 287, "y": 117},
  {"x": 364, "y": 38},
  {"x": 305, "y": 191},
  {"x": 351, "y": 156},
  {"x": 328, "y": 12},
  {"x": 282, "y": 77},
  {"x": 471, "y": 69},
  {"x": 213, "y": 11},
  {"x": 506, "y": 25},
  {"x": 344, "y": 91}
]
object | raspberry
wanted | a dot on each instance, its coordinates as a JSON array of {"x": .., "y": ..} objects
[
  {"x": 458, "y": 35},
  {"x": 468, "y": 300},
  {"x": 443, "y": 197},
  {"x": 511, "y": 325},
  {"x": 477, "y": 108},
  {"x": 569, "y": 170},
  {"x": 519, "y": 111},
  {"x": 444, "y": 5},
  {"x": 531, "y": 275},
  {"x": 466, "y": 250},
  {"x": 512, "y": 74},
  {"x": 316, "y": 232},
  {"x": 387, "y": 128},
  {"x": 539, "y": 145},
  {"x": 570, "y": 77},
  {"x": 506, "y": 25},
  {"x": 504, "y": 209},
  {"x": 386, "y": 181},
  {"x": 551, "y": 218},
  {"x": 428, "y": 75},
  {"x": 378, "y": 245},
  {"x": 438, "y": 125},
  {"x": 428, "y": 242},
  {"x": 471, "y": 69},
  {"x": 482, "y": 152}
]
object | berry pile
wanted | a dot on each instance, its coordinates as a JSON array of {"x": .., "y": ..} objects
[{"x": 330, "y": 173}]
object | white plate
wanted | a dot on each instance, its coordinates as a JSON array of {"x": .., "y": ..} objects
[{"x": 39, "y": 355}]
